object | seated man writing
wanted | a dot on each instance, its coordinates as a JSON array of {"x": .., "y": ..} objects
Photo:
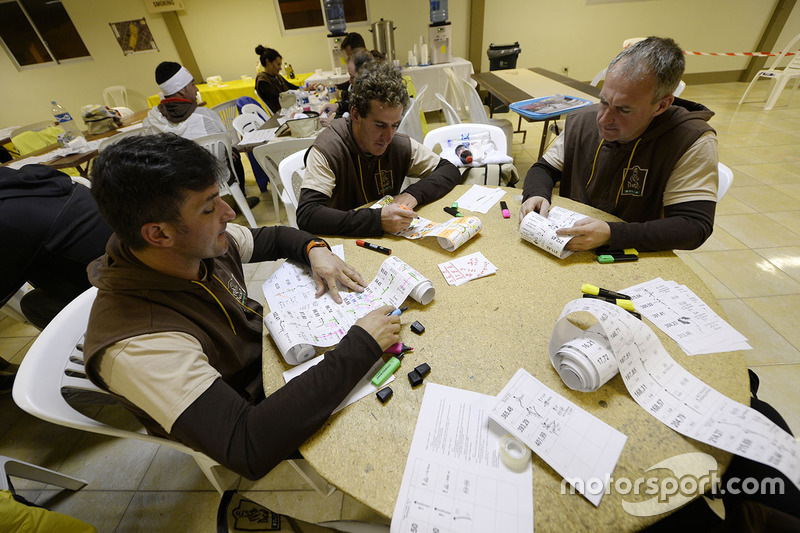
[
  {"x": 360, "y": 159},
  {"x": 640, "y": 154},
  {"x": 173, "y": 334}
]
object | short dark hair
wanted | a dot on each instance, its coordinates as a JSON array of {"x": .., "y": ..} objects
[
  {"x": 353, "y": 40},
  {"x": 267, "y": 54},
  {"x": 165, "y": 70},
  {"x": 655, "y": 56},
  {"x": 381, "y": 81},
  {"x": 360, "y": 57},
  {"x": 145, "y": 178}
]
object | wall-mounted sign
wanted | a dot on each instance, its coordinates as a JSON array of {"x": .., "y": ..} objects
[
  {"x": 133, "y": 36},
  {"x": 156, "y": 6}
]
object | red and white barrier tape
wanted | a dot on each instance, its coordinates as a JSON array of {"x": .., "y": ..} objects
[{"x": 745, "y": 54}]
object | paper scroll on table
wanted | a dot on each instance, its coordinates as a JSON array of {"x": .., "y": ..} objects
[
  {"x": 585, "y": 360},
  {"x": 323, "y": 322}
]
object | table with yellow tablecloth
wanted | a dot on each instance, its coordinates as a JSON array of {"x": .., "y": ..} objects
[{"x": 228, "y": 90}]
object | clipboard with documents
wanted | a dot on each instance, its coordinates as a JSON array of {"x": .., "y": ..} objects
[{"x": 548, "y": 106}]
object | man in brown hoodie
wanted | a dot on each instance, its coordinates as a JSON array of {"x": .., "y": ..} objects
[{"x": 640, "y": 154}]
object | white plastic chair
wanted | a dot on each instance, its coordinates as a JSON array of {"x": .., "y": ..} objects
[
  {"x": 477, "y": 114},
  {"x": 115, "y": 96},
  {"x": 725, "y": 181},
  {"x": 781, "y": 76},
  {"x": 108, "y": 141},
  {"x": 292, "y": 171},
  {"x": 411, "y": 124},
  {"x": 12, "y": 307},
  {"x": 219, "y": 144},
  {"x": 454, "y": 94},
  {"x": 269, "y": 157},
  {"x": 227, "y": 112},
  {"x": 54, "y": 363},
  {"x": 444, "y": 133},
  {"x": 450, "y": 114},
  {"x": 247, "y": 122},
  {"x": 16, "y": 468},
  {"x": 257, "y": 109}
]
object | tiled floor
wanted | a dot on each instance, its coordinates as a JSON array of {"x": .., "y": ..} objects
[{"x": 751, "y": 264}]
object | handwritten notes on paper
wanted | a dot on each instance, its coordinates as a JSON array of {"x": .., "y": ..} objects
[
  {"x": 681, "y": 314},
  {"x": 292, "y": 285},
  {"x": 323, "y": 323},
  {"x": 451, "y": 234},
  {"x": 578, "y": 445},
  {"x": 677, "y": 398},
  {"x": 541, "y": 231},
  {"x": 454, "y": 480},
  {"x": 461, "y": 270}
]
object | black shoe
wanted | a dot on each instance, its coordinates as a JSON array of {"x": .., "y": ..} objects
[{"x": 252, "y": 201}]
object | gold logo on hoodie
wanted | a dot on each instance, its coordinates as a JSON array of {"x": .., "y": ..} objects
[
  {"x": 384, "y": 180},
  {"x": 633, "y": 180}
]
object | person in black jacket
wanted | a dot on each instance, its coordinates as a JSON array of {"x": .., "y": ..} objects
[{"x": 50, "y": 230}]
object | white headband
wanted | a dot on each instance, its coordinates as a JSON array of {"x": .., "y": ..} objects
[{"x": 181, "y": 79}]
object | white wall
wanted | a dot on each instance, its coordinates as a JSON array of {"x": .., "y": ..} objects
[
  {"x": 585, "y": 35},
  {"x": 223, "y": 36}
]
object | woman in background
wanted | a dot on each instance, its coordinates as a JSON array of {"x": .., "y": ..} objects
[{"x": 269, "y": 83}]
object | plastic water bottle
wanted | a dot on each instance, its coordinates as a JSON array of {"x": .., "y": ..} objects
[
  {"x": 334, "y": 13},
  {"x": 304, "y": 100},
  {"x": 65, "y": 121},
  {"x": 438, "y": 12},
  {"x": 330, "y": 89},
  {"x": 463, "y": 153}
]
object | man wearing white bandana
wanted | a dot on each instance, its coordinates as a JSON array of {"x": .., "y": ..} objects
[{"x": 179, "y": 113}]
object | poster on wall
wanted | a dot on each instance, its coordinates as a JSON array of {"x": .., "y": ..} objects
[{"x": 133, "y": 36}]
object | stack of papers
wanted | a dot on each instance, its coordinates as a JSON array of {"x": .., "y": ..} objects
[
  {"x": 480, "y": 199},
  {"x": 258, "y": 136},
  {"x": 679, "y": 313},
  {"x": 464, "y": 269}
]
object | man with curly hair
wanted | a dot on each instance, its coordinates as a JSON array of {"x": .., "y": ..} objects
[{"x": 358, "y": 160}]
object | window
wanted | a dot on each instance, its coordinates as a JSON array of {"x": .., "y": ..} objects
[
  {"x": 39, "y": 31},
  {"x": 299, "y": 14}
]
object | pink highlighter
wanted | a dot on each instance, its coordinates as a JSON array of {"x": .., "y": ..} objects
[{"x": 504, "y": 210}]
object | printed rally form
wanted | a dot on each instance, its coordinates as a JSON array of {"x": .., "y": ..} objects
[
  {"x": 455, "y": 481},
  {"x": 323, "y": 323},
  {"x": 542, "y": 231},
  {"x": 671, "y": 394},
  {"x": 575, "y": 443}
]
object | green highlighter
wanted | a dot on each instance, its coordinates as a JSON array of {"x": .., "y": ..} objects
[
  {"x": 617, "y": 258},
  {"x": 387, "y": 370}
]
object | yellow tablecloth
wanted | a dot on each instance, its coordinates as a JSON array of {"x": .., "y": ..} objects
[{"x": 228, "y": 90}]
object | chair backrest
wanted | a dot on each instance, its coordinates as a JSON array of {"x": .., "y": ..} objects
[
  {"x": 441, "y": 135},
  {"x": 115, "y": 96},
  {"x": 411, "y": 124},
  {"x": 725, "y": 180},
  {"x": 54, "y": 364},
  {"x": 247, "y": 122},
  {"x": 795, "y": 59},
  {"x": 108, "y": 141},
  {"x": 455, "y": 94},
  {"x": 255, "y": 109},
  {"x": 477, "y": 113},
  {"x": 219, "y": 144},
  {"x": 292, "y": 170},
  {"x": 450, "y": 115},
  {"x": 227, "y": 112}
]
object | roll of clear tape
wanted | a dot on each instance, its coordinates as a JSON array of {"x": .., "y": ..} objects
[{"x": 514, "y": 453}]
